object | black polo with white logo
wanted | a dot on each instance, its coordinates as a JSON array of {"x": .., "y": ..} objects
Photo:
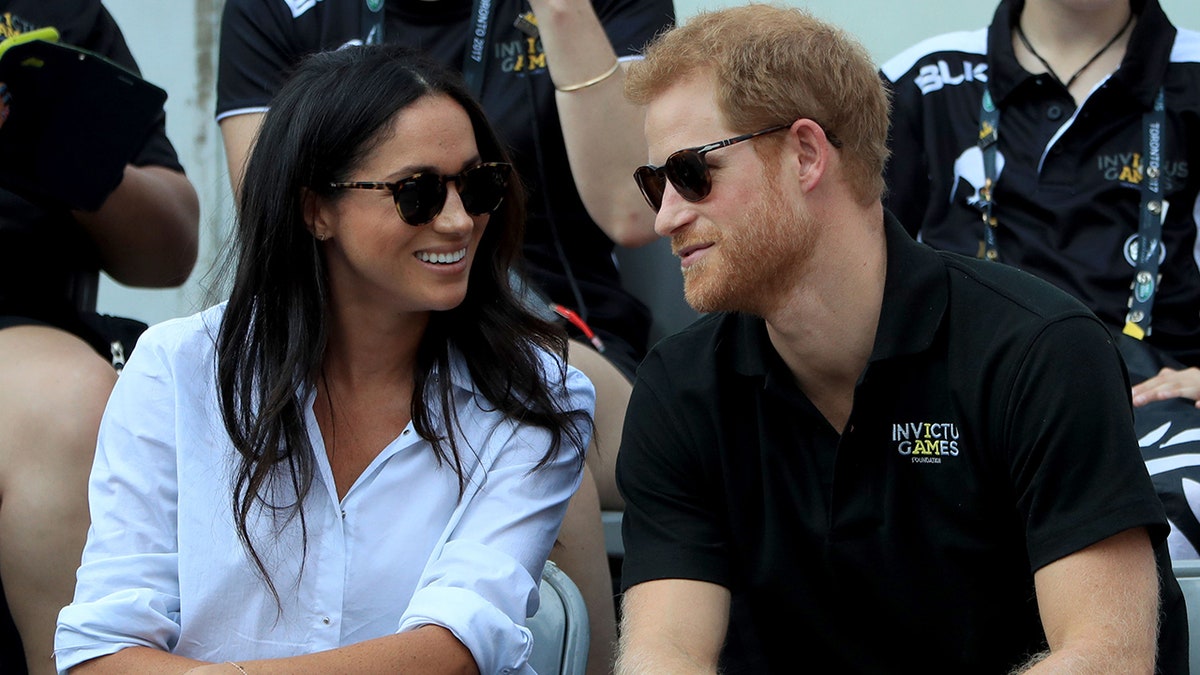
[
  {"x": 990, "y": 435},
  {"x": 1068, "y": 193}
]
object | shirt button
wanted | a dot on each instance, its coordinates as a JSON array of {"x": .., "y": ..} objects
[
  {"x": 1054, "y": 113},
  {"x": 405, "y": 432},
  {"x": 325, "y": 620},
  {"x": 343, "y": 514}
]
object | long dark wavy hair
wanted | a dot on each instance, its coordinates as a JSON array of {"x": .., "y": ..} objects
[{"x": 333, "y": 111}]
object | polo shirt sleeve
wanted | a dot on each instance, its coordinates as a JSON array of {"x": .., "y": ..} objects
[
  {"x": 257, "y": 50},
  {"x": 1076, "y": 468},
  {"x": 672, "y": 521}
]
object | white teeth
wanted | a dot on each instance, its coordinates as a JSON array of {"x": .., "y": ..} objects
[{"x": 442, "y": 258}]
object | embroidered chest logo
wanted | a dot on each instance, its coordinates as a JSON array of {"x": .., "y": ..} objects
[
  {"x": 926, "y": 442},
  {"x": 933, "y": 77},
  {"x": 1126, "y": 167},
  {"x": 520, "y": 56}
]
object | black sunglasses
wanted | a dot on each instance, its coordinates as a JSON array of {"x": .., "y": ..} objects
[
  {"x": 688, "y": 171},
  {"x": 420, "y": 197}
]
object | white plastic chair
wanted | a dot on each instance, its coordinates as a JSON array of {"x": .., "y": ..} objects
[
  {"x": 1188, "y": 574},
  {"x": 560, "y": 626}
]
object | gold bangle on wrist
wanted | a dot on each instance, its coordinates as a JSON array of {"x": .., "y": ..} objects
[
  {"x": 595, "y": 80},
  {"x": 241, "y": 669}
]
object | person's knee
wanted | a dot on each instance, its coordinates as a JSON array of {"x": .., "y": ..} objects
[
  {"x": 612, "y": 398},
  {"x": 53, "y": 389}
]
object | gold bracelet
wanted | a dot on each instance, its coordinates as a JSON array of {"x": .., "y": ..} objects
[
  {"x": 241, "y": 669},
  {"x": 595, "y": 80}
]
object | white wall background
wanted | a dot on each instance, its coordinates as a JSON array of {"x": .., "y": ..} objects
[{"x": 175, "y": 43}]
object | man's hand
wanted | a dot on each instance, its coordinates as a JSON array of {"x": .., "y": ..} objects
[{"x": 1168, "y": 384}]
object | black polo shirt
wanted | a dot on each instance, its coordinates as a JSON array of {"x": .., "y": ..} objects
[
  {"x": 1067, "y": 196},
  {"x": 991, "y": 435}
]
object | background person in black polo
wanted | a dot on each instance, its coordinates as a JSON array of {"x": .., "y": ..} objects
[
  {"x": 865, "y": 455},
  {"x": 1072, "y": 84}
]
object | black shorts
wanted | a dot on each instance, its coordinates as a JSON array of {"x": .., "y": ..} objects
[{"x": 98, "y": 330}]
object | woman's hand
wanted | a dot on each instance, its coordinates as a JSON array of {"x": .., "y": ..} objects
[{"x": 1168, "y": 384}]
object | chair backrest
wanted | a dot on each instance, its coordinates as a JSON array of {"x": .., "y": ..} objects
[
  {"x": 560, "y": 626},
  {"x": 1188, "y": 574},
  {"x": 651, "y": 274}
]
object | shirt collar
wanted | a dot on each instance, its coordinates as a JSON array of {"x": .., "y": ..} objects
[
  {"x": 460, "y": 374},
  {"x": 1142, "y": 70},
  {"x": 914, "y": 295}
]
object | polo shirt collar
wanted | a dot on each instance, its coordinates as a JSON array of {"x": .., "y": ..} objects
[
  {"x": 748, "y": 346},
  {"x": 1144, "y": 68},
  {"x": 914, "y": 295},
  {"x": 914, "y": 301},
  {"x": 1141, "y": 73}
]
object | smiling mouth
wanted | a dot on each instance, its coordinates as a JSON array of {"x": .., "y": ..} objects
[
  {"x": 687, "y": 250},
  {"x": 442, "y": 258}
]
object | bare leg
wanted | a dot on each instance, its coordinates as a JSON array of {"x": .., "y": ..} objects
[
  {"x": 53, "y": 388},
  {"x": 612, "y": 398},
  {"x": 580, "y": 550},
  {"x": 580, "y": 553}
]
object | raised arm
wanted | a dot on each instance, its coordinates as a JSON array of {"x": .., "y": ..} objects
[
  {"x": 602, "y": 131},
  {"x": 672, "y": 626},
  {"x": 1099, "y": 608},
  {"x": 238, "y": 133}
]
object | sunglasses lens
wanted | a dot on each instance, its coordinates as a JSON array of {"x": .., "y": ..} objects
[
  {"x": 652, "y": 181},
  {"x": 689, "y": 175},
  {"x": 420, "y": 198},
  {"x": 481, "y": 188}
]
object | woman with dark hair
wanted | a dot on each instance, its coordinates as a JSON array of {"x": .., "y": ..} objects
[
  {"x": 358, "y": 463},
  {"x": 549, "y": 74}
]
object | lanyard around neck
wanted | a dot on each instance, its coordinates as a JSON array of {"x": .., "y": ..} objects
[
  {"x": 1151, "y": 213},
  {"x": 371, "y": 27},
  {"x": 475, "y": 59}
]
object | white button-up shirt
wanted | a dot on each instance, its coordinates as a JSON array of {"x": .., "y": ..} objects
[{"x": 163, "y": 566}]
